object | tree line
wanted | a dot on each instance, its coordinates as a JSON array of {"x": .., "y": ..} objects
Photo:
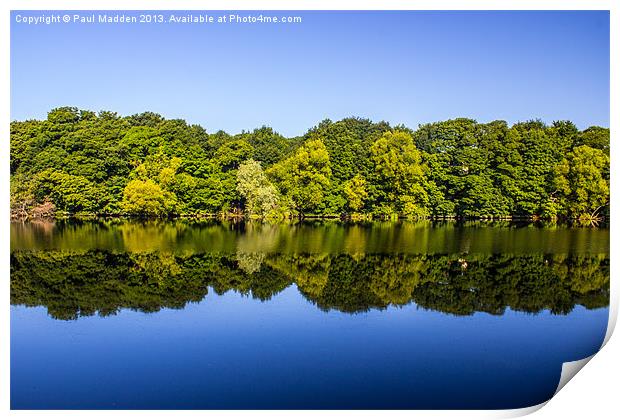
[
  {"x": 84, "y": 283},
  {"x": 82, "y": 163}
]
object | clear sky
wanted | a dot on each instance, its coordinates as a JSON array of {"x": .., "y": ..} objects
[{"x": 402, "y": 67}]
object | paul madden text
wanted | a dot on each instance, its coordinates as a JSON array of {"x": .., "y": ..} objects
[{"x": 179, "y": 17}]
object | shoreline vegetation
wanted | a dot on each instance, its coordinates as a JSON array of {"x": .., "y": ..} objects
[{"x": 84, "y": 165}]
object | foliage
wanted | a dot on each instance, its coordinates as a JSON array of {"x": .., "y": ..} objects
[
  {"x": 261, "y": 196},
  {"x": 583, "y": 189},
  {"x": 77, "y": 161},
  {"x": 143, "y": 198},
  {"x": 400, "y": 175},
  {"x": 355, "y": 191},
  {"x": 304, "y": 176}
]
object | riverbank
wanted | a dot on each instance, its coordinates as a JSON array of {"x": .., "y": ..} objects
[{"x": 40, "y": 215}]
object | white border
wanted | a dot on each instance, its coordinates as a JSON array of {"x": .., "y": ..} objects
[{"x": 593, "y": 395}]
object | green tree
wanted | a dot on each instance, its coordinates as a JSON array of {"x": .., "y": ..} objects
[
  {"x": 400, "y": 174},
  {"x": 581, "y": 185},
  {"x": 268, "y": 146},
  {"x": 348, "y": 144},
  {"x": 595, "y": 137},
  {"x": 303, "y": 178},
  {"x": 69, "y": 193},
  {"x": 355, "y": 191},
  {"x": 144, "y": 198},
  {"x": 260, "y": 195}
]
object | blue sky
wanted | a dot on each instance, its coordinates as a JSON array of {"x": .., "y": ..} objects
[{"x": 402, "y": 67}]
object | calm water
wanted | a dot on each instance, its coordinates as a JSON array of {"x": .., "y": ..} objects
[{"x": 316, "y": 315}]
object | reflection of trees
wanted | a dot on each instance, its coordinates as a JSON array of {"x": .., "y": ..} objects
[
  {"x": 231, "y": 274},
  {"x": 309, "y": 271},
  {"x": 333, "y": 237},
  {"x": 250, "y": 262},
  {"x": 258, "y": 237},
  {"x": 149, "y": 235},
  {"x": 394, "y": 280},
  {"x": 72, "y": 284}
]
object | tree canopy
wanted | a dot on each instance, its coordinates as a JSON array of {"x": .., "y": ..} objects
[{"x": 81, "y": 162}]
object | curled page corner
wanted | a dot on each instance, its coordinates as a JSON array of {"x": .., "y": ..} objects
[
  {"x": 520, "y": 412},
  {"x": 569, "y": 370}
]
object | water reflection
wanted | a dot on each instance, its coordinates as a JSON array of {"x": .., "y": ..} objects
[
  {"x": 374, "y": 315},
  {"x": 310, "y": 237},
  {"x": 72, "y": 283}
]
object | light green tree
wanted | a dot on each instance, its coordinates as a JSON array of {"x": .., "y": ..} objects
[
  {"x": 356, "y": 193},
  {"x": 143, "y": 198},
  {"x": 261, "y": 197},
  {"x": 582, "y": 188},
  {"x": 401, "y": 174},
  {"x": 304, "y": 177}
]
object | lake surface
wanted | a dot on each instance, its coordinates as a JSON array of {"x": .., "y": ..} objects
[{"x": 182, "y": 315}]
